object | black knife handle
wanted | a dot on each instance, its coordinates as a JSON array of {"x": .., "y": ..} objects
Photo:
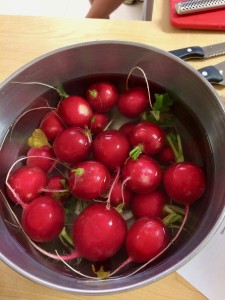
[
  {"x": 211, "y": 74},
  {"x": 188, "y": 53}
]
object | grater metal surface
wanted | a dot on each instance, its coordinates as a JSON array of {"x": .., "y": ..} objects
[{"x": 194, "y": 6}]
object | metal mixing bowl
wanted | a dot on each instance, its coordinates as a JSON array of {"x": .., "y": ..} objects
[{"x": 198, "y": 107}]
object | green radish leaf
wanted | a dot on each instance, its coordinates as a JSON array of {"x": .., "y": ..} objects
[
  {"x": 101, "y": 273},
  {"x": 160, "y": 113},
  {"x": 38, "y": 139},
  {"x": 163, "y": 103}
]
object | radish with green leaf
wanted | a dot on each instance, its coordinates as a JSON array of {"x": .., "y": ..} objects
[
  {"x": 57, "y": 187},
  {"x": 147, "y": 138},
  {"x": 102, "y": 96},
  {"x": 99, "y": 122},
  {"x": 89, "y": 180}
]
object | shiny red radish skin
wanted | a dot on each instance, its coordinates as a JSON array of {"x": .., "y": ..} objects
[
  {"x": 133, "y": 102},
  {"x": 184, "y": 182},
  {"x": 149, "y": 205},
  {"x": 89, "y": 180},
  {"x": 52, "y": 125},
  {"x": 149, "y": 137},
  {"x": 127, "y": 128},
  {"x": 42, "y": 157},
  {"x": 55, "y": 186},
  {"x": 75, "y": 111},
  {"x": 99, "y": 122},
  {"x": 102, "y": 96},
  {"x": 143, "y": 175},
  {"x": 98, "y": 232},
  {"x": 27, "y": 183},
  {"x": 166, "y": 156},
  {"x": 72, "y": 145},
  {"x": 111, "y": 148},
  {"x": 43, "y": 219},
  {"x": 145, "y": 239}
]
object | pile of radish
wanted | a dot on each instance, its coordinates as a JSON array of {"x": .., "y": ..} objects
[{"x": 101, "y": 187}]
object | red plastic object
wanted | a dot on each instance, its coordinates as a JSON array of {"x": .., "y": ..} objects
[{"x": 210, "y": 20}]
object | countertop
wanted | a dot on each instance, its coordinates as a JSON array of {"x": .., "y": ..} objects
[{"x": 23, "y": 39}]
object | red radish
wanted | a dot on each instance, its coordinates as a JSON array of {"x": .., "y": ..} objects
[
  {"x": 111, "y": 148},
  {"x": 26, "y": 183},
  {"x": 143, "y": 175},
  {"x": 52, "y": 125},
  {"x": 42, "y": 157},
  {"x": 102, "y": 96},
  {"x": 43, "y": 219},
  {"x": 89, "y": 180},
  {"x": 147, "y": 138},
  {"x": 149, "y": 205},
  {"x": 184, "y": 182},
  {"x": 146, "y": 238},
  {"x": 75, "y": 111},
  {"x": 99, "y": 122},
  {"x": 120, "y": 194},
  {"x": 127, "y": 128},
  {"x": 57, "y": 188},
  {"x": 166, "y": 156},
  {"x": 133, "y": 102},
  {"x": 72, "y": 145},
  {"x": 98, "y": 232}
]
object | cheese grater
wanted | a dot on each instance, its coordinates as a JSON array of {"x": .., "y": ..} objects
[{"x": 194, "y": 6}]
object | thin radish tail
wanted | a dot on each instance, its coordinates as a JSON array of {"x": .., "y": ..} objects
[
  {"x": 123, "y": 188},
  {"x": 24, "y": 205},
  {"x": 108, "y": 204},
  {"x": 70, "y": 256},
  {"x": 54, "y": 159},
  {"x": 23, "y": 114},
  {"x": 146, "y": 81},
  {"x": 63, "y": 258},
  {"x": 129, "y": 260},
  {"x": 109, "y": 124},
  {"x": 60, "y": 91},
  {"x": 126, "y": 262},
  {"x": 54, "y": 190}
]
